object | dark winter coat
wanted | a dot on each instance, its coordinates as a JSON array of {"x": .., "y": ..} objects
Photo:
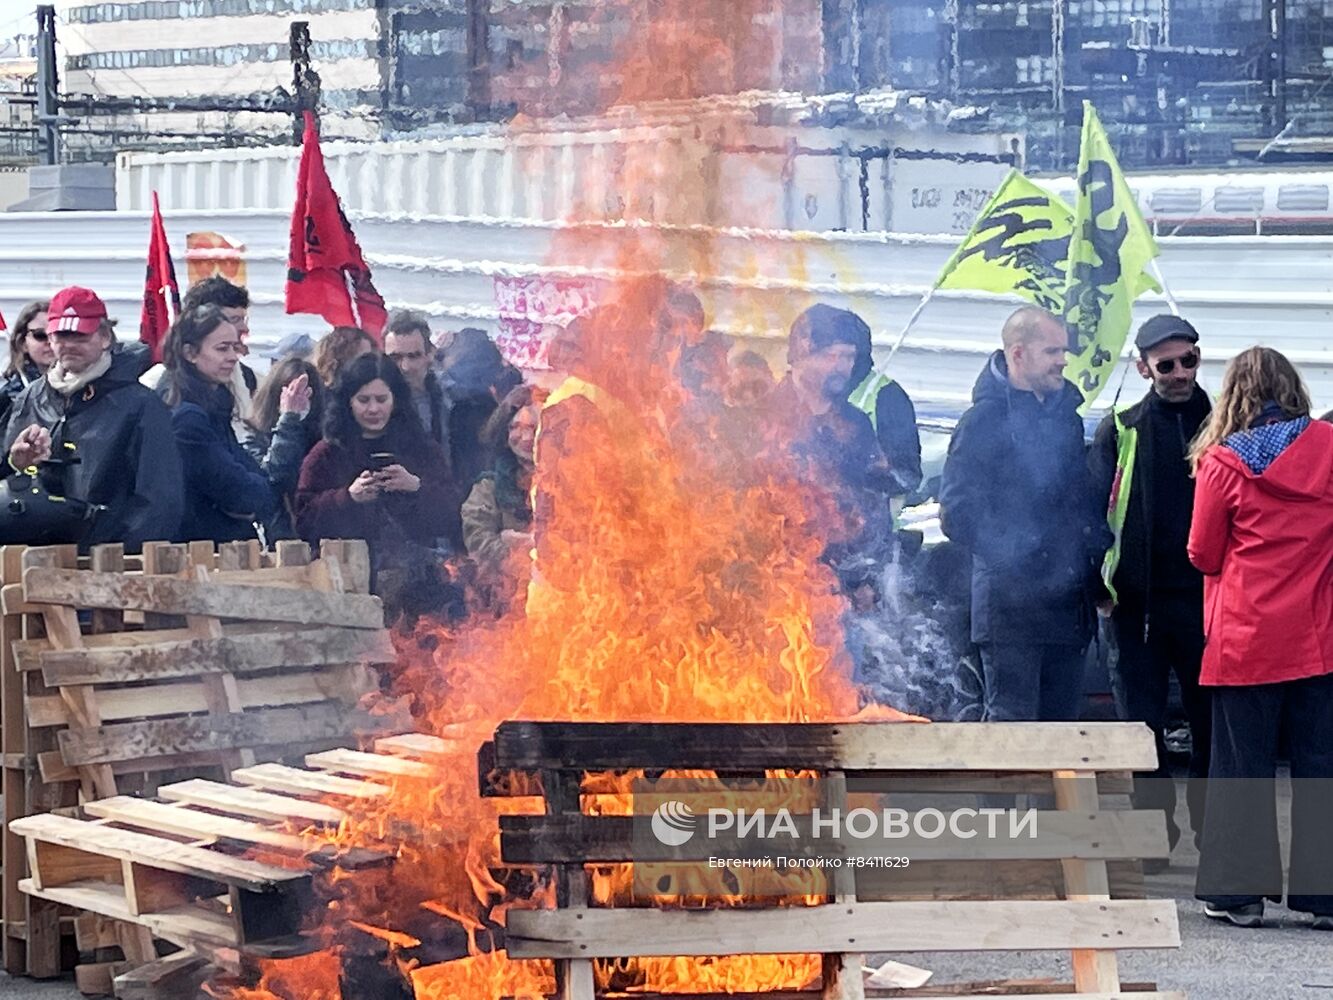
[
  {"x": 225, "y": 489},
  {"x": 1136, "y": 575},
  {"x": 895, "y": 426},
  {"x": 473, "y": 378},
  {"x": 440, "y": 409},
  {"x": 325, "y": 509},
  {"x": 1017, "y": 494},
  {"x": 839, "y": 450},
  {"x": 1262, "y": 535},
  {"x": 14, "y": 385},
  {"x": 122, "y": 437},
  {"x": 280, "y": 453}
]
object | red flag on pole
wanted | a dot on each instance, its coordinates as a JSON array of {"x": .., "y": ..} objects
[
  {"x": 161, "y": 294},
  {"x": 326, "y": 272}
]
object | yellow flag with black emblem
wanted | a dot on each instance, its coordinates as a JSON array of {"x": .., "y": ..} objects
[
  {"x": 1108, "y": 254},
  {"x": 1019, "y": 244}
]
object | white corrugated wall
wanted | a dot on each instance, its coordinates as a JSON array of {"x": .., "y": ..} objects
[{"x": 1237, "y": 290}]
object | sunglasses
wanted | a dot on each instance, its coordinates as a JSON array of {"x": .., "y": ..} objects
[
  {"x": 1188, "y": 362},
  {"x": 41, "y": 336}
]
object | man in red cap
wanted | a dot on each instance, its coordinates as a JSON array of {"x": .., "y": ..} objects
[{"x": 110, "y": 436}]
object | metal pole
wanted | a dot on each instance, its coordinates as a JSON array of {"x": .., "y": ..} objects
[
  {"x": 305, "y": 81},
  {"x": 48, "y": 85}
]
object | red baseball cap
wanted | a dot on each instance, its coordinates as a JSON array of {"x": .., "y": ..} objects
[{"x": 75, "y": 310}]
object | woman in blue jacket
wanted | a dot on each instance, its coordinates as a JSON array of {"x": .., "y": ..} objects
[{"x": 226, "y": 492}]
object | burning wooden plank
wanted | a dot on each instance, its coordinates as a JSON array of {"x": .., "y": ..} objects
[{"x": 732, "y": 747}]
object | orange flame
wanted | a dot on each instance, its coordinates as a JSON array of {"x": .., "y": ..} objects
[{"x": 677, "y": 577}]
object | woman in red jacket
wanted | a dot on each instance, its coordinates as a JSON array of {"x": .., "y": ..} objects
[
  {"x": 1262, "y": 536},
  {"x": 376, "y": 475}
]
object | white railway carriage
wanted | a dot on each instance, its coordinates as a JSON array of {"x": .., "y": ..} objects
[{"x": 1291, "y": 201}]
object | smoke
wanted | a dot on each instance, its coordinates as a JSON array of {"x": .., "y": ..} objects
[{"x": 908, "y": 652}]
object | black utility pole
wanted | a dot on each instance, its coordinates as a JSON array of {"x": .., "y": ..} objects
[
  {"x": 305, "y": 81},
  {"x": 48, "y": 85},
  {"x": 1274, "y": 69}
]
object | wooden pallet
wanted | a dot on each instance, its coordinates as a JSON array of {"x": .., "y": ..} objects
[
  {"x": 195, "y": 661},
  {"x": 173, "y": 864},
  {"x": 977, "y": 895}
]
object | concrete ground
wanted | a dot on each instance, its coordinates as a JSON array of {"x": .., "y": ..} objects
[{"x": 1284, "y": 960}]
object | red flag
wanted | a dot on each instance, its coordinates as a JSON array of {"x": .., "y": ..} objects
[
  {"x": 326, "y": 272},
  {"x": 161, "y": 294}
]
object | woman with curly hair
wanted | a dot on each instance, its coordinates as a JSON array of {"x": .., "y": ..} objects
[
  {"x": 1262, "y": 535},
  {"x": 337, "y": 349},
  {"x": 497, "y": 515}
]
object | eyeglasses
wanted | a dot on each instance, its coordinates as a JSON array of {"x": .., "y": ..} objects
[
  {"x": 40, "y": 336},
  {"x": 1189, "y": 362}
]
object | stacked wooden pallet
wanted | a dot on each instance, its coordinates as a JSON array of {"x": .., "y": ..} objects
[
  {"x": 970, "y": 893},
  {"x": 188, "y": 660},
  {"x": 173, "y": 864}
]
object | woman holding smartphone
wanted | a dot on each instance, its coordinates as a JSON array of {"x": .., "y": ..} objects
[{"x": 376, "y": 475}]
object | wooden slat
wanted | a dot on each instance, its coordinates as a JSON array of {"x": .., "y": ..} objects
[
  {"x": 178, "y": 975},
  {"x": 196, "y": 734},
  {"x": 978, "y": 880},
  {"x": 368, "y": 765},
  {"x": 182, "y": 925},
  {"x": 419, "y": 746},
  {"x": 1087, "y": 880},
  {"x": 183, "y": 821},
  {"x": 1059, "y": 835},
  {"x": 727, "y": 747},
  {"x": 94, "y": 839},
  {"x": 165, "y": 700},
  {"x": 141, "y": 657},
  {"x": 975, "y": 782},
  {"x": 1010, "y": 925},
  {"x": 165, "y": 595},
  {"x": 248, "y": 802},
  {"x": 280, "y": 778}
]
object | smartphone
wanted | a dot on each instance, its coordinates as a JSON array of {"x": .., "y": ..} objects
[{"x": 382, "y": 460}]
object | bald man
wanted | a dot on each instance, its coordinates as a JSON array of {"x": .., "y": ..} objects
[{"x": 1017, "y": 493}]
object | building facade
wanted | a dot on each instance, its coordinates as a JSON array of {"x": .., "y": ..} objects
[{"x": 1178, "y": 81}]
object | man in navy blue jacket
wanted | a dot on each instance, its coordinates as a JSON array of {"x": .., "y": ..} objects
[{"x": 1017, "y": 493}]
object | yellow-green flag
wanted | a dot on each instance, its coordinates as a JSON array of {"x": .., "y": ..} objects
[
  {"x": 1110, "y": 248},
  {"x": 1019, "y": 244}
]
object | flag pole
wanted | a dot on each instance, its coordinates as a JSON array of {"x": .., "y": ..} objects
[
  {"x": 1166, "y": 289},
  {"x": 911, "y": 322}
]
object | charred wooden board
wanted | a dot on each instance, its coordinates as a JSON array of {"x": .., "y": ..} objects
[
  {"x": 166, "y": 595},
  {"x": 148, "y": 656},
  {"x": 728, "y": 747},
  {"x": 1061, "y": 834},
  {"x": 195, "y": 734}
]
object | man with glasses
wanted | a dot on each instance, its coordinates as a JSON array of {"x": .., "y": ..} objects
[{"x": 1138, "y": 461}]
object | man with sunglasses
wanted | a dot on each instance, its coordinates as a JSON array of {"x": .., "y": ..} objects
[{"x": 1138, "y": 460}]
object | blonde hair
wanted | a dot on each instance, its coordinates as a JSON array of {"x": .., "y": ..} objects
[{"x": 1255, "y": 377}]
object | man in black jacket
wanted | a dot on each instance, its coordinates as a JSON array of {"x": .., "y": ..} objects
[
  {"x": 90, "y": 408},
  {"x": 1138, "y": 462},
  {"x": 1017, "y": 494}
]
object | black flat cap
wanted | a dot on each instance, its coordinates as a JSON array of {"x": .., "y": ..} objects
[{"x": 1162, "y": 328}]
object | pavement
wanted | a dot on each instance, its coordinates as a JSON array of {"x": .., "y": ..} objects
[{"x": 1283, "y": 960}]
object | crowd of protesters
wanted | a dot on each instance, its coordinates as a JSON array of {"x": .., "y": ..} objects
[{"x": 1195, "y": 535}]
